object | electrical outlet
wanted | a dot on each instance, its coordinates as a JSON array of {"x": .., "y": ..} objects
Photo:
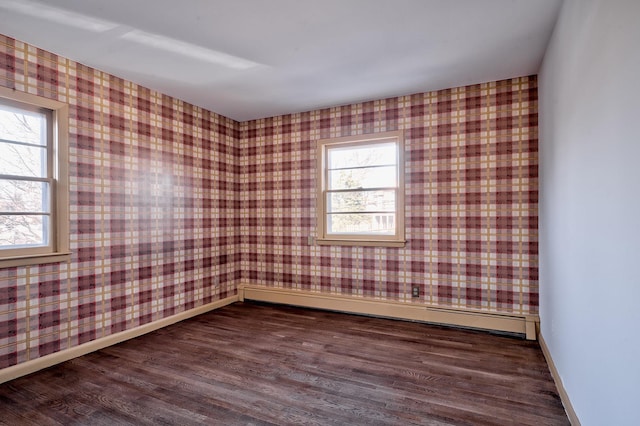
[
  {"x": 310, "y": 240},
  {"x": 415, "y": 291}
]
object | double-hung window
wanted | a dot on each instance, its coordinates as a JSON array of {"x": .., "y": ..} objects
[
  {"x": 361, "y": 190},
  {"x": 33, "y": 180}
]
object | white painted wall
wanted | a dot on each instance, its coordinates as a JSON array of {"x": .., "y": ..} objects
[{"x": 590, "y": 207}]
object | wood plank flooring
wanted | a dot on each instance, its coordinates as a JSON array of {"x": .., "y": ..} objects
[{"x": 254, "y": 364}]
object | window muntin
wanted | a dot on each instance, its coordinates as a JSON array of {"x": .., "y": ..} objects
[
  {"x": 33, "y": 180},
  {"x": 361, "y": 190}
]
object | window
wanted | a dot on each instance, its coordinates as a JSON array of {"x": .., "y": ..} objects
[
  {"x": 33, "y": 180},
  {"x": 361, "y": 190}
]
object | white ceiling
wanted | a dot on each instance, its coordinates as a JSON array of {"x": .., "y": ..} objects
[{"x": 248, "y": 59}]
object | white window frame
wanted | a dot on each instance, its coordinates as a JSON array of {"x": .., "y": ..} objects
[
  {"x": 57, "y": 158},
  {"x": 323, "y": 237}
]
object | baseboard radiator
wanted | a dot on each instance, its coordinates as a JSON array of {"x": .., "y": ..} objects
[{"x": 524, "y": 325}]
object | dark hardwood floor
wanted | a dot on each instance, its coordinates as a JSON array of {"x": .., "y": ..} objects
[{"x": 262, "y": 364}]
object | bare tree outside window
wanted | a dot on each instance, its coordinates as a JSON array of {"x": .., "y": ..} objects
[
  {"x": 361, "y": 189},
  {"x": 34, "y": 183},
  {"x": 24, "y": 187}
]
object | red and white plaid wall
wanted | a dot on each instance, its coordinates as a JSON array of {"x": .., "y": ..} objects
[
  {"x": 172, "y": 206},
  {"x": 471, "y": 200},
  {"x": 152, "y": 203}
]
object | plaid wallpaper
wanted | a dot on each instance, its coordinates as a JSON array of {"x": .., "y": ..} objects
[
  {"x": 153, "y": 207},
  {"x": 172, "y": 206},
  {"x": 471, "y": 200}
]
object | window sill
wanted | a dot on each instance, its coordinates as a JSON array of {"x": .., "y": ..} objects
[
  {"x": 34, "y": 259},
  {"x": 364, "y": 243}
]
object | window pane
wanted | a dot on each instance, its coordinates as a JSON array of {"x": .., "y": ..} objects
[
  {"x": 376, "y": 177},
  {"x": 24, "y": 196},
  {"x": 22, "y": 126},
  {"x": 23, "y": 230},
  {"x": 362, "y": 223},
  {"x": 368, "y": 155},
  {"x": 361, "y": 201},
  {"x": 23, "y": 160}
]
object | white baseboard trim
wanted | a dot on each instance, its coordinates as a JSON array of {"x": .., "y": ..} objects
[
  {"x": 521, "y": 324},
  {"x": 32, "y": 366},
  {"x": 564, "y": 396}
]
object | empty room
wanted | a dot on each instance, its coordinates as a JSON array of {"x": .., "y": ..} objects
[{"x": 278, "y": 212}]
